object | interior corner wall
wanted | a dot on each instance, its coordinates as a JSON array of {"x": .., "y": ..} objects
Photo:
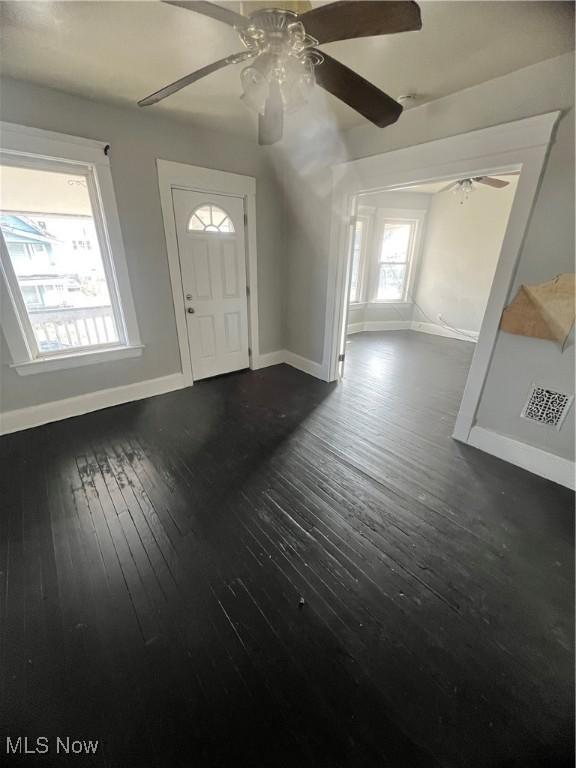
[
  {"x": 137, "y": 139},
  {"x": 548, "y": 247},
  {"x": 459, "y": 256}
]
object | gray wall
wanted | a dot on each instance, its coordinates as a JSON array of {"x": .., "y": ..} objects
[
  {"x": 548, "y": 249},
  {"x": 460, "y": 254},
  {"x": 137, "y": 139}
]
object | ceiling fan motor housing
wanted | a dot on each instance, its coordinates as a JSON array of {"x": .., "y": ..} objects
[{"x": 283, "y": 55}]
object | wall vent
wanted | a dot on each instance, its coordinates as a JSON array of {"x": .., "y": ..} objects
[{"x": 547, "y": 406}]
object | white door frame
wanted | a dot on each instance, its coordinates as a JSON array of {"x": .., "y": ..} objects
[
  {"x": 182, "y": 176},
  {"x": 522, "y": 144}
]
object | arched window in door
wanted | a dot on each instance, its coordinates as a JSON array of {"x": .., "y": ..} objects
[{"x": 210, "y": 218}]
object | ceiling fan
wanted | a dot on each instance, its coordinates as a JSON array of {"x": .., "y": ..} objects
[
  {"x": 489, "y": 181},
  {"x": 285, "y": 62},
  {"x": 464, "y": 187}
]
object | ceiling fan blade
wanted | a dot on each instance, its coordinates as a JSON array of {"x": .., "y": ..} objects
[
  {"x": 358, "y": 93},
  {"x": 361, "y": 18},
  {"x": 490, "y": 182},
  {"x": 168, "y": 90},
  {"x": 271, "y": 123},
  {"x": 217, "y": 12}
]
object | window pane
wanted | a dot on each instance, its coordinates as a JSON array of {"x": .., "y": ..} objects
[
  {"x": 48, "y": 226},
  {"x": 356, "y": 257},
  {"x": 210, "y": 218},
  {"x": 395, "y": 242},
  {"x": 391, "y": 282}
]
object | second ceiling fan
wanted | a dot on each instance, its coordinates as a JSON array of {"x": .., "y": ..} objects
[{"x": 285, "y": 62}]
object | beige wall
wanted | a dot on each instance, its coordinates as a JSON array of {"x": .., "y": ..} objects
[
  {"x": 460, "y": 254},
  {"x": 137, "y": 139},
  {"x": 548, "y": 248}
]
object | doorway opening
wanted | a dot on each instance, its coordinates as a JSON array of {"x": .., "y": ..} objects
[{"x": 421, "y": 265}]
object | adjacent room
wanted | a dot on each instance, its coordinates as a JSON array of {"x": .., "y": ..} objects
[
  {"x": 287, "y": 377},
  {"x": 423, "y": 260}
]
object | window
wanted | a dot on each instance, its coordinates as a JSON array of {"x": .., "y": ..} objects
[
  {"x": 384, "y": 249},
  {"x": 393, "y": 259},
  {"x": 210, "y": 218},
  {"x": 62, "y": 256},
  {"x": 358, "y": 257}
]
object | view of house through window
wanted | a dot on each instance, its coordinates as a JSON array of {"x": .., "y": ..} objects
[
  {"x": 48, "y": 226},
  {"x": 393, "y": 260},
  {"x": 380, "y": 263}
]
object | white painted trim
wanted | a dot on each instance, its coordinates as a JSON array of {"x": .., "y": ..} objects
[
  {"x": 442, "y": 330},
  {"x": 410, "y": 325},
  {"x": 520, "y": 145},
  {"x": 271, "y": 358},
  {"x": 37, "y": 148},
  {"x": 182, "y": 176},
  {"x": 34, "y": 416},
  {"x": 77, "y": 360},
  {"x": 290, "y": 358},
  {"x": 304, "y": 364},
  {"x": 379, "y": 325},
  {"x": 535, "y": 460},
  {"x": 16, "y": 139}
]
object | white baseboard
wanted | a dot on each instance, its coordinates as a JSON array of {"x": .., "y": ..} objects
[
  {"x": 379, "y": 325},
  {"x": 291, "y": 358},
  {"x": 386, "y": 325},
  {"x": 35, "y": 416},
  {"x": 400, "y": 325},
  {"x": 535, "y": 460},
  {"x": 270, "y": 358},
  {"x": 25, "y": 418},
  {"x": 304, "y": 364},
  {"x": 441, "y": 330}
]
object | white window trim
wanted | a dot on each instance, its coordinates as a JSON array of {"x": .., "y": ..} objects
[
  {"x": 36, "y": 148},
  {"x": 411, "y": 216},
  {"x": 367, "y": 218},
  {"x": 368, "y": 269}
]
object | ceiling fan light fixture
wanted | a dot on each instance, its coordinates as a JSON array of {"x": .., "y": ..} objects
[
  {"x": 255, "y": 88},
  {"x": 464, "y": 189},
  {"x": 293, "y": 75},
  {"x": 282, "y": 43}
]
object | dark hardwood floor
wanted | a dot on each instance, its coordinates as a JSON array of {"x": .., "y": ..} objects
[{"x": 153, "y": 558}]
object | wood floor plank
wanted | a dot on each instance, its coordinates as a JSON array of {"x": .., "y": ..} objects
[{"x": 269, "y": 571}]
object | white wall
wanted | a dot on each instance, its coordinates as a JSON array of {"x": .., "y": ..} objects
[
  {"x": 460, "y": 254},
  {"x": 137, "y": 139},
  {"x": 548, "y": 247}
]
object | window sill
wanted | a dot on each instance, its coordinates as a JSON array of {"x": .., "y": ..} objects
[
  {"x": 76, "y": 360},
  {"x": 389, "y": 302}
]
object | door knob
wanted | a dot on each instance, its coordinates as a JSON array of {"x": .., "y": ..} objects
[
  {"x": 188, "y": 295},
  {"x": 190, "y": 310}
]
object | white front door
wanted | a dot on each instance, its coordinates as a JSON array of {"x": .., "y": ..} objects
[{"x": 210, "y": 231}]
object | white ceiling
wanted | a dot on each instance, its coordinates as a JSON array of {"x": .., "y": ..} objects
[
  {"x": 122, "y": 51},
  {"x": 434, "y": 187}
]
